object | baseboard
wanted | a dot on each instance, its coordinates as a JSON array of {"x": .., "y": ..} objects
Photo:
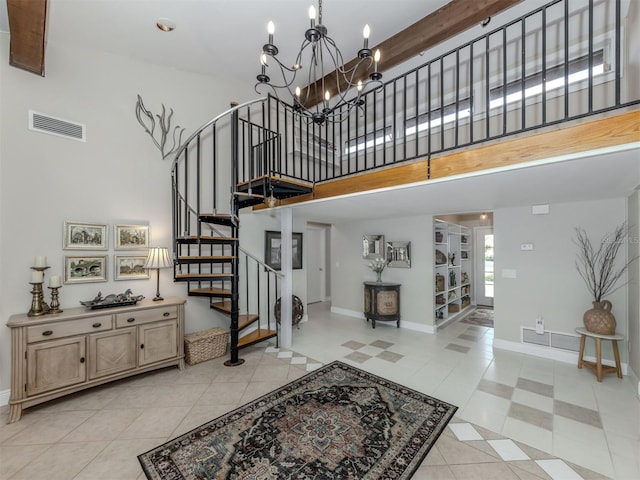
[
  {"x": 418, "y": 327},
  {"x": 348, "y": 313},
  {"x": 4, "y": 397},
  {"x": 551, "y": 353}
]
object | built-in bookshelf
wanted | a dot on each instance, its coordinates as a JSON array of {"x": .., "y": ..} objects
[{"x": 453, "y": 268}]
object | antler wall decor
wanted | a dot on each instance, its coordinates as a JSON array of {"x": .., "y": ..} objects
[{"x": 146, "y": 119}]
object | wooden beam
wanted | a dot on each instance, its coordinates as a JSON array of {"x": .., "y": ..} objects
[
  {"x": 620, "y": 129},
  {"x": 27, "y": 26},
  {"x": 452, "y": 19}
]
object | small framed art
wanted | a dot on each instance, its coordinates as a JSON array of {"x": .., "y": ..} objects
[
  {"x": 130, "y": 267},
  {"x": 131, "y": 237},
  {"x": 85, "y": 268},
  {"x": 84, "y": 236}
]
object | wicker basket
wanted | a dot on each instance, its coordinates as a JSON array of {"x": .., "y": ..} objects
[{"x": 205, "y": 345}]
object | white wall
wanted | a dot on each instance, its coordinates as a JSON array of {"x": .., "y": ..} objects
[
  {"x": 547, "y": 282},
  {"x": 349, "y": 269},
  {"x": 634, "y": 283},
  {"x": 117, "y": 176},
  {"x": 252, "y": 228}
]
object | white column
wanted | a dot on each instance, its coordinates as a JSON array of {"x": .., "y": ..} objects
[{"x": 286, "y": 257}]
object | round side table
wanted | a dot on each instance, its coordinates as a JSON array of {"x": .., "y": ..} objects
[{"x": 597, "y": 366}]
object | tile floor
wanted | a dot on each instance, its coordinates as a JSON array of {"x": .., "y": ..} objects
[{"x": 519, "y": 417}]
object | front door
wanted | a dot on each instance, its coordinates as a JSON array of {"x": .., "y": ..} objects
[{"x": 484, "y": 266}]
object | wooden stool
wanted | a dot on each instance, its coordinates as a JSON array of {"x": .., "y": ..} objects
[{"x": 597, "y": 366}]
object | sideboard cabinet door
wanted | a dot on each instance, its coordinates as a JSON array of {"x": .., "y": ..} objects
[
  {"x": 55, "y": 364},
  {"x": 158, "y": 341},
  {"x": 112, "y": 352}
]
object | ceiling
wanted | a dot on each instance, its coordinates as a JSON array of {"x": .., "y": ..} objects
[{"x": 213, "y": 36}]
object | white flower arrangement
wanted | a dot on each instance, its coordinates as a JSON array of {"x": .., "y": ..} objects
[{"x": 378, "y": 265}]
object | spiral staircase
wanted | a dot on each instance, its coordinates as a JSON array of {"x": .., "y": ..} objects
[{"x": 229, "y": 164}]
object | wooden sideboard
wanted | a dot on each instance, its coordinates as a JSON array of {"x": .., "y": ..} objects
[
  {"x": 54, "y": 355},
  {"x": 382, "y": 302}
]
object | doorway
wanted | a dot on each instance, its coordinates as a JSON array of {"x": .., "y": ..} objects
[
  {"x": 484, "y": 270},
  {"x": 317, "y": 262}
]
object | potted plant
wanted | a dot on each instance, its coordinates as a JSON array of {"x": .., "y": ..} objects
[{"x": 597, "y": 267}]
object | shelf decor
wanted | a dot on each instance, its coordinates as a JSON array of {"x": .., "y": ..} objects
[{"x": 452, "y": 268}]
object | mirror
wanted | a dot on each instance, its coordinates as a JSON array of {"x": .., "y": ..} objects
[
  {"x": 372, "y": 246},
  {"x": 399, "y": 254}
]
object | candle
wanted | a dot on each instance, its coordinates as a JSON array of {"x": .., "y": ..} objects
[
  {"x": 40, "y": 261},
  {"x": 37, "y": 276},
  {"x": 55, "y": 281}
]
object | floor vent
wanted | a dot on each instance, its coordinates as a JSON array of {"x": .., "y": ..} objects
[
  {"x": 43, "y": 123},
  {"x": 563, "y": 341}
]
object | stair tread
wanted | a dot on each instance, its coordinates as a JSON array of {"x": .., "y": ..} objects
[
  {"x": 256, "y": 336},
  {"x": 182, "y": 276},
  {"x": 206, "y": 257},
  {"x": 275, "y": 178},
  {"x": 206, "y": 237},
  {"x": 211, "y": 292}
]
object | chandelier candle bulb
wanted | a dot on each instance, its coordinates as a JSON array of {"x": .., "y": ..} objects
[
  {"x": 365, "y": 33},
  {"x": 312, "y": 16},
  {"x": 270, "y": 30}
]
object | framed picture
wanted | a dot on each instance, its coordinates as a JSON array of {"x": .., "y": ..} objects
[
  {"x": 399, "y": 254},
  {"x": 372, "y": 246},
  {"x": 272, "y": 250},
  {"x": 130, "y": 267},
  {"x": 84, "y": 236},
  {"x": 131, "y": 237},
  {"x": 85, "y": 268}
]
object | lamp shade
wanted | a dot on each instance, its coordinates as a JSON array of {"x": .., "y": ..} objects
[{"x": 158, "y": 258}]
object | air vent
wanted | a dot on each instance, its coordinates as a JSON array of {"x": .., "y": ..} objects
[
  {"x": 43, "y": 123},
  {"x": 563, "y": 341}
]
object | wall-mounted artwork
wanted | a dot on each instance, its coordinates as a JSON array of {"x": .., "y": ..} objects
[
  {"x": 372, "y": 247},
  {"x": 273, "y": 250},
  {"x": 130, "y": 267},
  {"x": 84, "y": 236},
  {"x": 85, "y": 269},
  {"x": 131, "y": 237},
  {"x": 399, "y": 254}
]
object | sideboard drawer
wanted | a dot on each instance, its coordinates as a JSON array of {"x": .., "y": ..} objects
[
  {"x": 48, "y": 331},
  {"x": 145, "y": 316}
]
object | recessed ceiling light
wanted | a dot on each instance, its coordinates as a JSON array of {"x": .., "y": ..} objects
[{"x": 165, "y": 24}]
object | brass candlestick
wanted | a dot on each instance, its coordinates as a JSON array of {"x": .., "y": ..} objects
[
  {"x": 55, "y": 304},
  {"x": 38, "y": 305},
  {"x": 37, "y": 302}
]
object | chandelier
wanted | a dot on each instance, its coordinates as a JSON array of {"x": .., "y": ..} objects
[{"x": 322, "y": 68}]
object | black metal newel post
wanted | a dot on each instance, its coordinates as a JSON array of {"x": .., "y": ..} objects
[{"x": 234, "y": 359}]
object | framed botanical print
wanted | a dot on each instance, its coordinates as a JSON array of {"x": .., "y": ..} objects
[
  {"x": 130, "y": 267},
  {"x": 131, "y": 237},
  {"x": 84, "y": 236},
  {"x": 85, "y": 268}
]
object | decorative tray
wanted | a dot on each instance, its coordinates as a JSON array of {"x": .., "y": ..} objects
[{"x": 112, "y": 300}]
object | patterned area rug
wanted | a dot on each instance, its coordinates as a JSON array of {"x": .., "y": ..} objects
[
  {"x": 481, "y": 316},
  {"x": 336, "y": 423}
]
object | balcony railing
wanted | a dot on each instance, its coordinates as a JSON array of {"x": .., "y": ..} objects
[{"x": 558, "y": 63}]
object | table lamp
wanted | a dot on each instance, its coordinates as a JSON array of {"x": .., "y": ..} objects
[{"x": 158, "y": 258}]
